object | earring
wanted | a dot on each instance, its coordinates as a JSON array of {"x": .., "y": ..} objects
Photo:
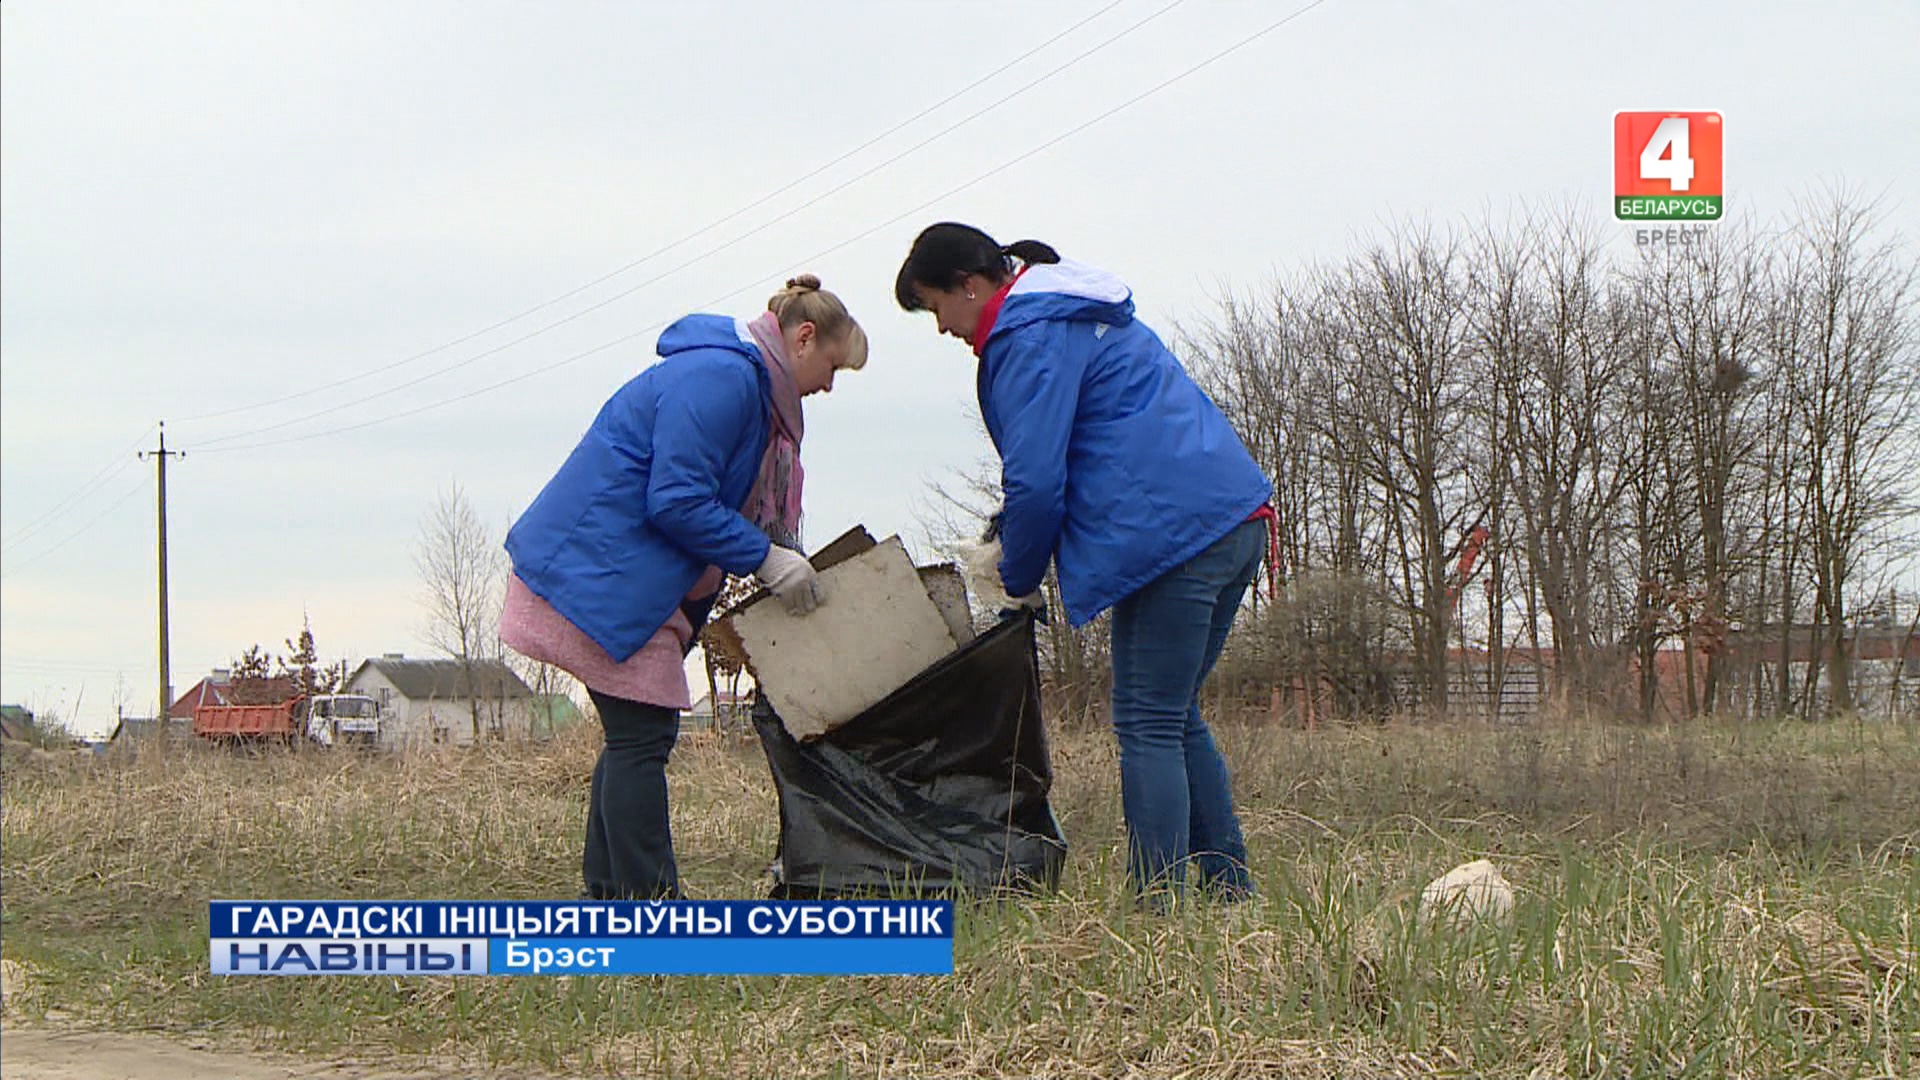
[{"x": 969, "y": 296}]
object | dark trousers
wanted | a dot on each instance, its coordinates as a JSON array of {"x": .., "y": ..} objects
[{"x": 629, "y": 853}]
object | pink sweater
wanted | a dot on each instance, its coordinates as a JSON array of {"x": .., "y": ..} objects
[{"x": 656, "y": 675}]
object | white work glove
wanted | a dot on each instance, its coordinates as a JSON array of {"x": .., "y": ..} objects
[
  {"x": 789, "y": 576},
  {"x": 980, "y": 560}
]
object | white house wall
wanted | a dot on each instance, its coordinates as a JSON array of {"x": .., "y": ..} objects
[
  {"x": 455, "y": 719},
  {"x": 406, "y": 722}
]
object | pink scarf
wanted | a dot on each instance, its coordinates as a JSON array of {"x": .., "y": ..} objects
[{"x": 774, "y": 504}]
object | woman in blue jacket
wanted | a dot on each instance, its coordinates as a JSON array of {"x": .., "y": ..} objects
[
  {"x": 1118, "y": 467},
  {"x": 691, "y": 471}
]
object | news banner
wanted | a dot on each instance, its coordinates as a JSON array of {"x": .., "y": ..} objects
[{"x": 585, "y": 937}]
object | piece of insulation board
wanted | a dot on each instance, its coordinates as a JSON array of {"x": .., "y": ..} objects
[
  {"x": 876, "y": 629},
  {"x": 949, "y": 591}
]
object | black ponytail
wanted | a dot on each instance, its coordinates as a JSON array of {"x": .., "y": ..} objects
[
  {"x": 1031, "y": 252},
  {"x": 944, "y": 254}
]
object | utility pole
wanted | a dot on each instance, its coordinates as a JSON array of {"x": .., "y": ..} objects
[{"x": 160, "y": 457}]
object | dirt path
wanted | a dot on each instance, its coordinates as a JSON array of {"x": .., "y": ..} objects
[{"x": 41, "y": 1054}]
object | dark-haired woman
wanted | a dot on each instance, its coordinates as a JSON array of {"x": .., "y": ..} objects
[{"x": 1115, "y": 464}]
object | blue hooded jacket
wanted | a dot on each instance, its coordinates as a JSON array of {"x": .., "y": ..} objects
[
  {"x": 651, "y": 495},
  {"x": 1112, "y": 458}
]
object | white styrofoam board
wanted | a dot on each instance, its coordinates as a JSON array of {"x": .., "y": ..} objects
[{"x": 876, "y": 629}]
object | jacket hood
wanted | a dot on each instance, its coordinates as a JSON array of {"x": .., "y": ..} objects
[
  {"x": 1065, "y": 290},
  {"x": 708, "y": 332}
]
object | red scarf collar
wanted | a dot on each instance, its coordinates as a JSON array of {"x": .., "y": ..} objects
[{"x": 990, "y": 314}]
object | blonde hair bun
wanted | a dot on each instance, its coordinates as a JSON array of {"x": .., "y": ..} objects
[{"x": 803, "y": 300}]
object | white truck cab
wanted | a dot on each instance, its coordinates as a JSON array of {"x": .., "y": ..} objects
[{"x": 343, "y": 720}]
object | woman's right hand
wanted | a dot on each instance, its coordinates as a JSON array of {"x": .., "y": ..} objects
[{"x": 789, "y": 576}]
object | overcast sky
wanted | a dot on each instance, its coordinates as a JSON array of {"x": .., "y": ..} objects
[{"x": 210, "y": 206}]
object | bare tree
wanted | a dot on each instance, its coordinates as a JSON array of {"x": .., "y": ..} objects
[
  {"x": 1555, "y": 347},
  {"x": 1499, "y": 312},
  {"x": 1778, "y": 587},
  {"x": 1684, "y": 449},
  {"x": 461, "y": 569},
  {"x": 1251, "y": 363},
  {"x": 1278, "y": 370},
  {"x": 1404, "y": 303},
  {"x": 1851, "y": 376},
  {"x": 1711, "y": 306}
]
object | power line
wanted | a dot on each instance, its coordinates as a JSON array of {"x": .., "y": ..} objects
[
  {"x": 12, "y": 568},
  {"x": 62, "y": 667},
  {"x": 430, "y": 406},
  {"x": 111, "y": 469},
  {"x": 54, "y": 516},
  {"x": 205, "y": 445},
  {"x": 1060, "y": 138},
  {"x": 890, "y": 222},
  {"x": 681, "y": 242}
]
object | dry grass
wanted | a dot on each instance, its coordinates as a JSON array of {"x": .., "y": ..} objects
[{"x": 1710, "y": 901}]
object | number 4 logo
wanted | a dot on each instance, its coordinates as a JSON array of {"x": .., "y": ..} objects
[
  {"x": 1666, "y": 166},
  {"x": 1665, "y": 157}
]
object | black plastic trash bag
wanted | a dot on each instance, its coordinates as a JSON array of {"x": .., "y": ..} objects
[{"x": 940, "y": 788}]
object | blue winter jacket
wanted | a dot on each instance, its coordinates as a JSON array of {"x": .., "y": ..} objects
[
  {"x": 650, "y": 497},
  {"x": 1112, "y": 458}
]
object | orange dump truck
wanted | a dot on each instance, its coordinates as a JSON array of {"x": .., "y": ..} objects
[
  {"x": 326, "y": 719},
  {"x": 250, "y": 722}
]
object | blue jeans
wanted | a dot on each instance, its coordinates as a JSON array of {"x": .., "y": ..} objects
[
  {"x": 1173, "y": 781},
  {"x": 629, "y": 849}
]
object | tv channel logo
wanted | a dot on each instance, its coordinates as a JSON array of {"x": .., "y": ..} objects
[{"x": 1667, "y": 166}]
